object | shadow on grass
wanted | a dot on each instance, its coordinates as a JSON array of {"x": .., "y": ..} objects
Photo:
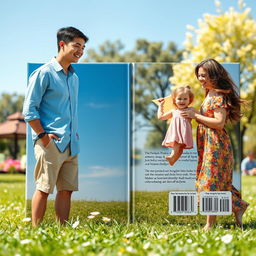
[
  {"x": 12, "y": 178},
  {"x": 11, "y": 181},
  {"x": 251, "y": 225}
]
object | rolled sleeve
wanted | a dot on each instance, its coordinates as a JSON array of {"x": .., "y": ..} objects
[{"x": 37, "y": 85}]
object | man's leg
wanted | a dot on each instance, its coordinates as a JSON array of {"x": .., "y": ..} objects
[
  {"x": 45, "y": 173},
  {"x": 39, "y": 202},
  {"x": 62, "y": 205}
]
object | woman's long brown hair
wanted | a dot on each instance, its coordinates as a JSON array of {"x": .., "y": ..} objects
[{"x": 224, "y": 84}]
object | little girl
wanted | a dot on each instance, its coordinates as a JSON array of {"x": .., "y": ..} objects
[{"x": 179, "y": 133}]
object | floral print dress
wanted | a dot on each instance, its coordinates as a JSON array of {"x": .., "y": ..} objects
[{"x": 215, "y": 156}]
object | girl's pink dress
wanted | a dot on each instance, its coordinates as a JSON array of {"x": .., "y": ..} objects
[{"x": 180, "y": 131}]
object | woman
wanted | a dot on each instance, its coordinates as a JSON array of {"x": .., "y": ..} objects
[{"x": 215, "y": 156}]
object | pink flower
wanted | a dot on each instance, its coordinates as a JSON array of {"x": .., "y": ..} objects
[{"x": 10, "y": 165}]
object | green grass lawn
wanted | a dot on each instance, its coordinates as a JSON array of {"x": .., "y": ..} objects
[
  {"x": 94, "y": 237},
  {"x": 115, "y": 210}
]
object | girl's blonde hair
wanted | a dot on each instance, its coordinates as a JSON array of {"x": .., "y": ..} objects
[{"x": 182, "y": 89}]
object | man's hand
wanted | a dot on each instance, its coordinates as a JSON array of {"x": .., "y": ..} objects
[
  {"x": 253, "y": 172},
  {"x": 38, "y": 128},
  {"x": 47, "y": 138}
]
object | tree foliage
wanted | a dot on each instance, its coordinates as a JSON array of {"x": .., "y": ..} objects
[
  {"x": 9, "y": 104},
  {"x": 152, "y": 72},
  {"x": 229, "y": 36}
]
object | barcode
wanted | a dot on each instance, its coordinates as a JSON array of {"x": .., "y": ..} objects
[
  {"x": 183, "y": 203},
  {"x": 217, "y": 203},
  {"x": 210, "y": 204},
  {"x": 224, "y": 205}
]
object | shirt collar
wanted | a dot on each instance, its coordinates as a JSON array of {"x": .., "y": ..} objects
[{"x": 58, "y": 67}]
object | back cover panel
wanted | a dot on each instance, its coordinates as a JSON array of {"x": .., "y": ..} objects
[
  {"x": 103, "y": 110},
  {"x": 152, "y": 176}
]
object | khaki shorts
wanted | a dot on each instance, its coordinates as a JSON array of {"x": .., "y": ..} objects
[{"x": 55, "y": 168}]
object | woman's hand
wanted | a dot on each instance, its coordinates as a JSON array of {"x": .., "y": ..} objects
[
  {"x": 215, "y": 122},
  {"x": 190, "y": 113}
]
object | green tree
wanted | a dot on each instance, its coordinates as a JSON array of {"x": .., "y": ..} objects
[
  {"x": 151, "y": 77},
  {"x": 9, "y": 104},
  {"x": 226, "y": 37},
  {"x": 107, "y": 52}
]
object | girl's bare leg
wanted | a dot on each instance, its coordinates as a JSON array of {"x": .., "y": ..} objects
[
  {"x": 209, "y": 222},
  {"x": 176, "y": 153}
]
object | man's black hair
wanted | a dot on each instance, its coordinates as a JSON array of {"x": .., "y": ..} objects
[{"x": 68, "y": 34}]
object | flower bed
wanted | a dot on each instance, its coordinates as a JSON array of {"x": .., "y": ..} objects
[{"x": 11, "y": 166}]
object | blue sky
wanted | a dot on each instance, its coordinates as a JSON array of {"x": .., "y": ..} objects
[{"x": 28, "y": 28}]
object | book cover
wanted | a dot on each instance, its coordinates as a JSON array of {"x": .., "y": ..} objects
[{"x": 123, "y": 171}]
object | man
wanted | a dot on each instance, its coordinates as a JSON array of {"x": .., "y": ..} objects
[
  {"x": 50, "y": 108},
  {"x": 248, "y": 165}
]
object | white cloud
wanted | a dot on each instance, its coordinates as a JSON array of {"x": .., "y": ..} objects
[
  {"x": 95, "y": 105},
  {"x": 102, "y": 172}
]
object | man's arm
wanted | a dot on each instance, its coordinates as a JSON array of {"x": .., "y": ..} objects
[
  {"x": 38, "y": 128},
  {"x": 38, "y": 83}
]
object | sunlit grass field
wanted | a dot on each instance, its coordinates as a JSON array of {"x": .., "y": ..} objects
[
  {"x": 116, "y": 210},
  {"x": 83, "y": 236}
]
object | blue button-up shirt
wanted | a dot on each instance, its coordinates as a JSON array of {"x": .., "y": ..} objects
[
  {"x": 247, "y": 164},
  {"x": 52, "y": 97}
]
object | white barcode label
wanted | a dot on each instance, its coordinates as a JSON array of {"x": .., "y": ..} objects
[
  {"x": 215, "y": 203},
  {"x": 183, "y": 203}
]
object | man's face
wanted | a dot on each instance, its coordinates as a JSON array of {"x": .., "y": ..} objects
[
  {"x": 73, "y": 50},
  {"x": 251, "y": 156}
]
